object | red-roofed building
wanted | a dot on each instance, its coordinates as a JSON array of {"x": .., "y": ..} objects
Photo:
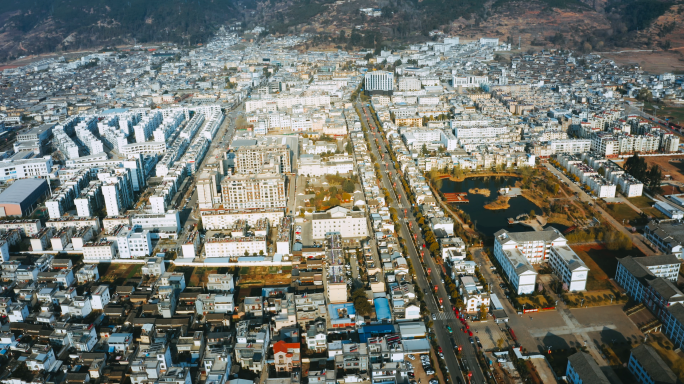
[{"x": 286, "y": 356}]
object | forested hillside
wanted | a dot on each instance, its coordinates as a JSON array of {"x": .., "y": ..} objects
[{"x": 35, "y": 26}]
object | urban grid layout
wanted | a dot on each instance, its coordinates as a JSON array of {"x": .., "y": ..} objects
[{"x": 248, "y": 212}]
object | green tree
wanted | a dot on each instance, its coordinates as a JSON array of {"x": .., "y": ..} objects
[{"x": 361, "y": 304}]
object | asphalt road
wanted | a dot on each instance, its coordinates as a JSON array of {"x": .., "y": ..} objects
[
  {"x": 223, "y": 135},
  {"x": 445, "y": 317}
]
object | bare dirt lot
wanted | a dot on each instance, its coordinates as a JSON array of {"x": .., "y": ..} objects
[
  {"x": 118, "y": 273},
  {"x": 670, "y": 165},
  {"x": 654, "y": 62}
]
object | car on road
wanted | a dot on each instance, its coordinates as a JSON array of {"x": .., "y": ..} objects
[
  {"x": 411, "y": 375},
  {"x": 448, "y": 327},
  {"x": 502, "y": 285},
  {"x": 471, "y": 340},
  {"x": 434, "y": 381},
  {"x": 410, "y": 356},
  {"x": 434, "y": 317}
]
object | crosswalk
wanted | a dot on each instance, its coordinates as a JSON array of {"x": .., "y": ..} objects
[{"x": 445, "y": 315}]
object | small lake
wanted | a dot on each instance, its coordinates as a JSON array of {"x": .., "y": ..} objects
[{"x": 488, "y": 221}]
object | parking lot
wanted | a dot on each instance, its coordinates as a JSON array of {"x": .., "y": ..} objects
[
  {"x": 420, "y": 376},
  {"x": 489, "y": 333}
]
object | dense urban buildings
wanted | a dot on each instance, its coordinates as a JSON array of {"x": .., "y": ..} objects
[{"x": 249, "y": 210}]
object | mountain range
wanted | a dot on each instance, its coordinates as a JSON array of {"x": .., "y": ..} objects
[{"x": 38, "y": 26}]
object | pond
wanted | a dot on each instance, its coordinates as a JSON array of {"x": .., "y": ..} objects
[{"x": 490, "y": 221}]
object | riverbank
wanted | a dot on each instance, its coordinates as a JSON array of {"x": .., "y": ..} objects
[
  {"x": 501, "y": 202},
  {"x": 480, "y": 191}
]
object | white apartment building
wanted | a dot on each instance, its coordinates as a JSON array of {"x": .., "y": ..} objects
[
  {"x": 409, "y": 84},
  {"x": 605, "y": 144},
  {"x": 216, "y": 219},
  {"x": 20, "y": 169},
  {"x": 311, "y": 165},
  {"x": 254, "y": 191},
  {"x": 350, "y": 224},
  {"x": 469, "y": 81},
  {"x": 570, "y": 146},
  {"x": 534, "y": 246},
  {"x": 133, "y": 241},
  {"x": 117, "y": 190},
  {"x": 231, "y": 247},
  {"x": 379, "y": 81},
  {"x": 252, "y": 159},
  {"x": 569, "y": 268},
  {"x": 100, "y": 297},
  {"x": 470, "y": 132},
  {"x": 103, "y": 250}
]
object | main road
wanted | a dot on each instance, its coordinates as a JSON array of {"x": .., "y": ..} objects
[{"x": 425, "y": 283}]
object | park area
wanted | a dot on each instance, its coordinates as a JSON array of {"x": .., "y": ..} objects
[
  {"x": 622, "y": 212},
  {"x": 117, "y": 274},
  {"x": 646, "y": 205},
  {"x": 533, "y": 301},
  {"x": 602, "y": 264},
  {"x": 594, "y": 298}
]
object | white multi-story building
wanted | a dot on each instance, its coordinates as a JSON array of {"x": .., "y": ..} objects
[
  {"x": 569, "y": 268},
  {"x": 470, "y": 132},
  {"x": 379, "y": 81},
  {"x": 102, "y": 250},
  {"x": 133, "y": 241},
  {"x": 570, "y": 146},
  {"x": 100, "y": 297},
  {"x": 469, "y": 81},
  {"x": 254, "y": 191},
  {"x": 221, "y": 246},
  {"x": 117, "y": 190},
  {"x": 216, "y": 219},
  {"x": 409, "y": 84},
  {"x": 21, "y": 169},
  {"x": 350, "y": 224},
  {"x": 252, "y": 159}
]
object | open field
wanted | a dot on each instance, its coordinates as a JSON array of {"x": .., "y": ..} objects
[
  {"x": 656, "y": 62},
  {"x": 622, "y": 212},
  {"x": 641, "y": 201},
  {"x": 272, "y": 276},
  {"x": 602, "y": 264},
  {"x": 196, "y": 276},
  {"x": 675, "y": 113},
  {"x": 669, "y": 165},
  {"x": 118, "y": 273}
]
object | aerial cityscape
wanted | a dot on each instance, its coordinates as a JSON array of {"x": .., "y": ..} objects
[{"x": 256, "y": 209}]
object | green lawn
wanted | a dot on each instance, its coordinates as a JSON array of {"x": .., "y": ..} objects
[
  {"x": 641, "y": 201},
  {"x": 602, "y": 264},
  {"x": 666, "y": 111},
  {"x": 654, "y": 212},
  {"x": 622, "y": 212}
]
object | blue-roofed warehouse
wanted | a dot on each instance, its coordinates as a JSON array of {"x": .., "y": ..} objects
[
  {"x": 21, "y": 198},
  {"x": 368, "y": 331},
  {"x": 382, "y": 309}
]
